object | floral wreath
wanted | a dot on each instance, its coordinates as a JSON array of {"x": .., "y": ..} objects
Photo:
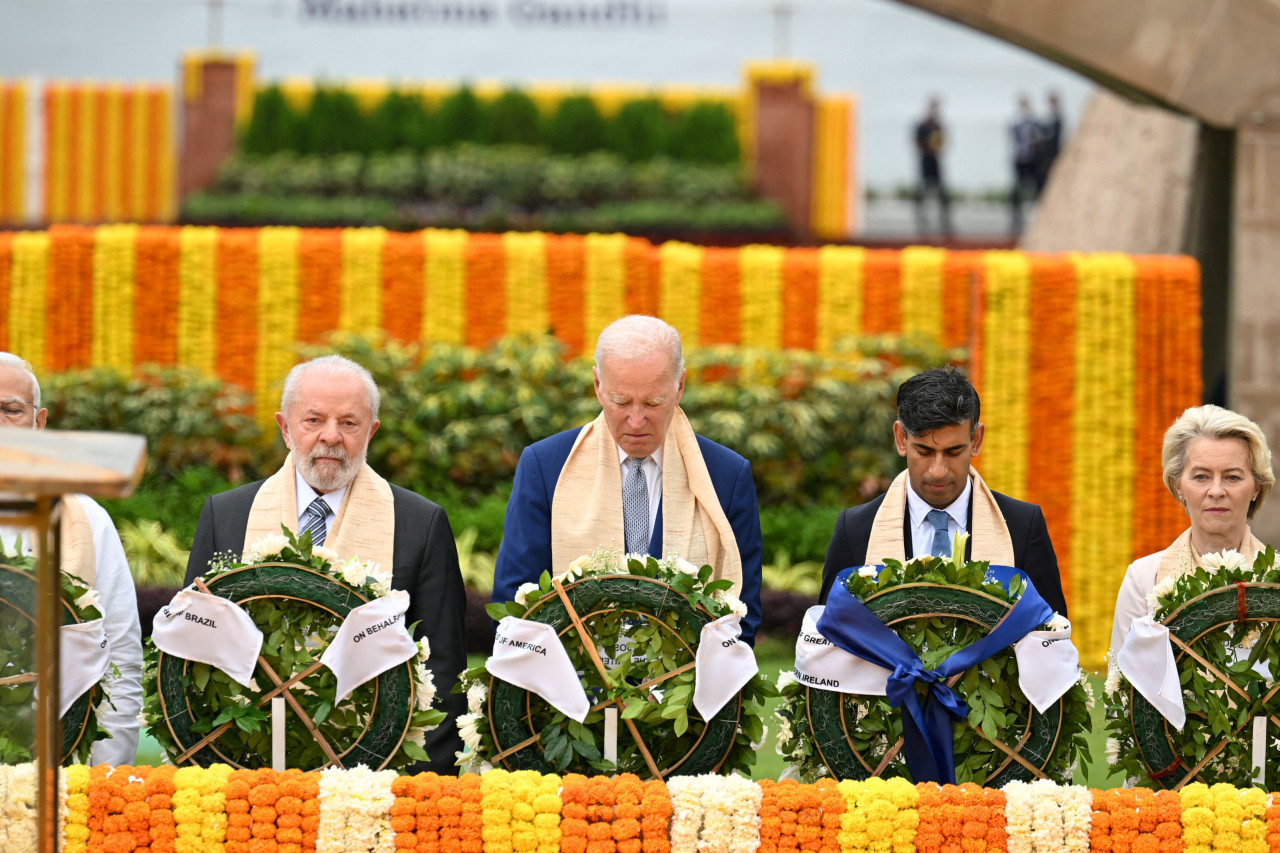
[
  {"x": 298, "y": 595},
  {"x": 80, "y": 728},
  {"x": 1222, "y": 620},
  {"x": 936, "y": 607},
  {"x": 644, "y": 616}
]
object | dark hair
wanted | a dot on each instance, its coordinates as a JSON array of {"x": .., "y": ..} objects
[{"x": 938, "y": 397}]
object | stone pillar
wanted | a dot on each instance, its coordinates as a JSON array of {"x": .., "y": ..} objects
[
  {"x": 208, "y": 127},
  {"x": 1254, "y": 307},
  {"x": 784, "y": 137}
]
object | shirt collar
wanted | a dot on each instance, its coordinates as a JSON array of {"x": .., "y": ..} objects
[
  {"x": 957, "y": 509},
  {"x": 656, "y": 457}
]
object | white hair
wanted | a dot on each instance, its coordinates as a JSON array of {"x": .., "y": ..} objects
[
  {"x": 330, "y": 365},
  {"x": 638, "y": 336},
  {"x": 8, "y": 358}
]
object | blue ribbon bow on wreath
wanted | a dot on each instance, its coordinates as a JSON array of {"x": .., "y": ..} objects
[{"x": 926, "y": 723}]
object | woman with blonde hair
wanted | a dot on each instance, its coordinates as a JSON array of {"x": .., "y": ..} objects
[{"x": 1218, "y": 466}]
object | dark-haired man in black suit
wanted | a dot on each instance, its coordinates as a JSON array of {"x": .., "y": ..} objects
[{"x": 940, "y": 494}]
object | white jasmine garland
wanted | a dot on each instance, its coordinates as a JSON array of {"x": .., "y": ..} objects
[
  {"x": 522, "y": 593},
  {"x": 686, "y": 813},
  {"x": 1017, "y": 816},
  {"x": 1077, "y": 818}
]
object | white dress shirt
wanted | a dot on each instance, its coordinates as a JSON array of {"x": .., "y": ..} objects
[
  {"x": 652, "y": 470},
  {"x": 306, "y": 495},
  {"x": 922, "y": 528}
]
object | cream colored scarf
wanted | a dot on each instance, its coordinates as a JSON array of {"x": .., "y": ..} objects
[
  {"x": 989, "y": 534},
  {"x": 78, "y": 554},
  {"x": 1178, "y": 558},
  {"x": 586, "y": 510},
  {"x": 364, "y": 527}
]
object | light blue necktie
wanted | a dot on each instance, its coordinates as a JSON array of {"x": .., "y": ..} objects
[
  {"x": 941, "y": 540},
  {"x": 315, "y": 520},
  {"x": 635, "y": 508}
]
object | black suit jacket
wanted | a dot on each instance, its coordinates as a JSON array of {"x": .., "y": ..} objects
[
  {"x": 426, "y": 566},
  {"x": 1032, "y": 550}
]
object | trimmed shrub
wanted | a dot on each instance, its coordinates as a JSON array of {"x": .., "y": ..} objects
[
  {"x": 514, "y": 119},
  {"x": 460, "y": 118},
  {"x": 401, "y": 122},
  {"x": 275, "y": 125},
  {"x": 577, "y": 127},
  {"x": 705, "y": 133},
  {"x": 334, "y": 123},
  {"x": 640, "y": 130}
]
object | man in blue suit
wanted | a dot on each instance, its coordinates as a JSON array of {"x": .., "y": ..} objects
[{"x": 636, "y": 479}]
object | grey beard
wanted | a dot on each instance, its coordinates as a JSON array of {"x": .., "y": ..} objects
[{"x": 330, "y": 479}]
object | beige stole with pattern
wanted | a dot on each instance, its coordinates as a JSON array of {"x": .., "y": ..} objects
[
  {"x": 364, "y": 527},
  {"x": 989, "y": 535},
  {"x": 1178, "y": 559},
  {"x": 78, "y": 554},
  {"x": 586, "y": 510}
]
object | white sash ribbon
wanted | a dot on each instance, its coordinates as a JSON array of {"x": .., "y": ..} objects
[
  {"x": 1146, "y": 659},
  {"x": 724, "y": 664},
  {"x": 210, "y": 629},
  {"x": 372, "y": 639},
  {"x": 530, "y": 655},
  {"x": 85, "y": 655}
]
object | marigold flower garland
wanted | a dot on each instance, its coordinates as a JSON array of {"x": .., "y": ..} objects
[
  {"x": 355, "y": 808},
  {"x": 880, "y": 814},
  {"x": 1042, "y": 817}
]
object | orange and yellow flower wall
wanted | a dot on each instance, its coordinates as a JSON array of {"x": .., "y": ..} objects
[{"x": 1082, "y": 361}]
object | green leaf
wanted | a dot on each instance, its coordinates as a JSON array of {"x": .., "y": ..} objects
[
  {"x": 496, "y": 610},
  {"x": 681, "y": 723}
]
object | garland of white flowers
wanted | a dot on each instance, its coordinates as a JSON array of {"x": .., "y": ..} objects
[
  {"x": 1211, "y": 710},
  {"x": 714, "y": 814},
  {"x": 355, "y": 811},
  {"x": 369, "y": 580},
  {"x": 1043, "y": 817}
]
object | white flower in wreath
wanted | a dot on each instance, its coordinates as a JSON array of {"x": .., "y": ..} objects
[
  {"x": 425, "y": 692},
  {"x": 469, "y": 731},
  {"x": 1225, "y": 560},
  {"x": 1113, "y": 679},
  {"x": 1089, "y": 699},
  {"x": 377, "y": 573},
  {"x": 522, "y": 594},
  {"x": 1113, "y": 750},
  {"x": 267, "y": 546},
  {"x": 476, "y": 694},
  {"x": 418, "y": 736},
  {"x": 868, "y": 571},
  {"x": 329, "y": 555},
  {"x": 784, "y": 733},
  {"x": 1160, "y": 590},
  {"x": 736, "y": 605},
  {"x": 786, "y": 677},
  {"x": 685, "y": 567},
  {"x": 424, "y": 649},
  {"x": 577, "y": 567},
  {"x": 1058, "y": 623},
  {"x": 353, "y": 573},
  {"x": 380, "y": 589},
  {"x": 89, "y": 599},
  {"x": 1251, "y": 638}
]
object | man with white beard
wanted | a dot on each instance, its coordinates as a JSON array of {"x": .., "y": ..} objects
[{"x": 329, "y": 411}]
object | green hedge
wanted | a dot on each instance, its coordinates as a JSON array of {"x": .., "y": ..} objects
[{"x": 332, "y": 122}]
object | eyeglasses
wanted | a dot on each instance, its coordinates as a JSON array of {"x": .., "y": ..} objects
[{"x": 12, "y": 410}]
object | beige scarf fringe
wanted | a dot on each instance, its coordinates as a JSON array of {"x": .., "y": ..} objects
[
  {"x": 79, "y": 557},
  {"x": 1178, "y": 559},
  {"x": 364, "y": 526},
  {"x": 586, "y": 510},
  {"x": 989, "y": 534}
]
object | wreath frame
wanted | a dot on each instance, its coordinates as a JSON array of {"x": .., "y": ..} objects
[
  {"x": 898, "y": 604},
  {"x": 80, "y": 717},
  {"x": 1189, "y": 623},
  {"x": 389, "y": 722},
  {"x": 608, "y": 593}
]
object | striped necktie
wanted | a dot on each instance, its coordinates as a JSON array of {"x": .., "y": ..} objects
[
  {"x": 635, "y": 508},
  {"x": 315, "y": 520}
]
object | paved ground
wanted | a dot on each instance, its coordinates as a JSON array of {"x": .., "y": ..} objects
[{"x": 890, "y": 222}]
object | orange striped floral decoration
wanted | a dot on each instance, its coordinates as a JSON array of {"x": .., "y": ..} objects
[
  {"x": 961, "y": 273},
  {"x": 525, "y": 283},
  {"x": 319, "y": 280},
  {"x": 114, "y": 265},
  {"x": 485, "y": 296},
  {"x": 1004, "y": 383},
  {"x": 69, "y": 329},
  {"x": 643, "y": 284},
  {"x": 13, "y": 151},
  {"x": 922, "y": 292},
  {"x": 402, "y": 256},
  {"x": 277, "y": 317},
  {"x": 155, "y": 318},
  {"x": 882, "y": 292},
  {"x": 1052, "y": 333},
  {"x": 237, "y": 305},
  {"x": 680, "y": 286},
  {"x": 360, "y": 290},
  {"x": 799, "y": 299},
  {"x": 841, "y": 295},
  {"x": 720, "y": 314},
  {"x": 566, "y": 289},
  {"x": 197, "y": 321},
  {"x": 444, "y": 296},
  {"x": 6, "y": 286},
  {"x": 760, "y": 288},
  {"x": 606, "y": 282}
]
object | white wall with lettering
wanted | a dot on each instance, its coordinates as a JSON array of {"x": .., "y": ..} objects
[{"x": 890, "y": 56}]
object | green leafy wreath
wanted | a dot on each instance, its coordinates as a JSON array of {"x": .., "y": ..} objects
[
  {"x": 937, "y": 607},
  {"x": 298, "y": 596},
  {"x": 80, "y": 728},
  {"x": 1218, "y": 655},
  {"x": 646, "y": 623}
]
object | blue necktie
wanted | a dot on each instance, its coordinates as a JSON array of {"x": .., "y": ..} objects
[
  {"x": 635, "y": 508},
  {"x": 315, "y": 520},
  {"x": 941, "y": 540}
]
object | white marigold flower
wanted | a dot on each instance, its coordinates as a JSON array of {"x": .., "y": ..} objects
[
  {"x": 1228, "y": 560},
  {"x": 522, "y": 594},
  {"x": 786, "y": 677},
  {"x": 468, "y": 729},
  {"x": 88, "y": 599},
  {"x": 1113, "y": 679},
  {"x": 868, "y": 571},
  {"x": 327, "y": 554},
  {"x": 476, "y": 695},
  {"x": 267, "y": 546},
  {"x": 353, "y": 573},
  {"x": 685, "y": 567}
]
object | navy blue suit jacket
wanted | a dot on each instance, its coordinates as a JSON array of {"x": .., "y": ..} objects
[{"x": 525, "y": 552}]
